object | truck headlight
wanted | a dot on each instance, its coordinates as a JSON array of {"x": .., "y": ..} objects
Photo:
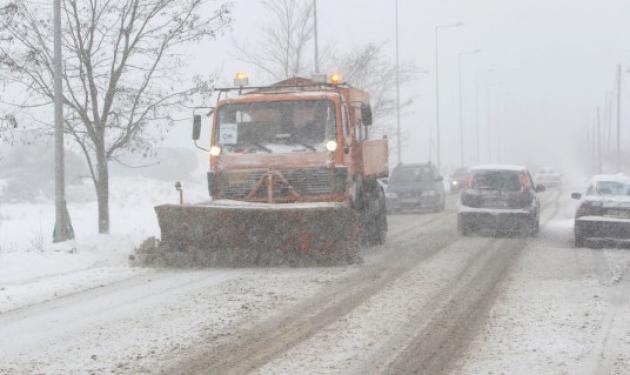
[
  {"x": 215, "y": 150},
  {"x": 391, "y": 195},
  {"x": 331, "y": 146}
]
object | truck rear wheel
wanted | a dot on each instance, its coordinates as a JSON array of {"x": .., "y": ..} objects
[
  {"x": 374, "y": 215},
  {"x": 379, "y": 231}
]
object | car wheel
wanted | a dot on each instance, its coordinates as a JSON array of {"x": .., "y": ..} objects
[
  {"x": 579, "y": 241},
  {"x": 375, "y": 219},
  {"x": 462, "y": 228},
  {"x": 534, "y": 227}
]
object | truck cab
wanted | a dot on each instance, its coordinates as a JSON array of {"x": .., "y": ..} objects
[{"x": 295, "y": 141}]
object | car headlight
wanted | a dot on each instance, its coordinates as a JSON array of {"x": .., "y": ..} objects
[
  {"x": 454, "y": 183},
  {"x": 429, "y": 193},
  {"x": 331, "y": 146},
  {"x": 391, "y": 195}
]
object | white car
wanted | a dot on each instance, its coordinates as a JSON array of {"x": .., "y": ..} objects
[{"x": 604, "y": 212}]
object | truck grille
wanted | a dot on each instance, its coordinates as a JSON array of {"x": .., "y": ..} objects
[{"x": 238, "y": 184}]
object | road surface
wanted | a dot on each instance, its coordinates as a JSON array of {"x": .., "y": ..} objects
[{"x": 427, "y": 302}]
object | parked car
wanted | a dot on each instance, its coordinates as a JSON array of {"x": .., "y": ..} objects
[
  {"x": 415, "y": 186},
  {"x": 501, "y": 198},
  {"x": 457, "y": 179},
  {"x": 604, "y": 211},
  {"x": 549, "y": 177}
]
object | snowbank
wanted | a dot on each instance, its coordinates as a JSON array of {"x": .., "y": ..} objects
[{"x": 33, "y": 269}]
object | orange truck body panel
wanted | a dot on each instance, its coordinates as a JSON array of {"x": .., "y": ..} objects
[{"x": 362, "y": 157}]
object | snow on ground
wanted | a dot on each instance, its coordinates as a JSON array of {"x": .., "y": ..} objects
[
  {"x": 373, "y": 333},
  {"x": 145, "y": 324},
  {"x": 33, "y": 269},
  {"x": 563, "y": 311}
]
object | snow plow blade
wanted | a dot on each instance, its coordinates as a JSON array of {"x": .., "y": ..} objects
[{"x": 240, "y": 234}]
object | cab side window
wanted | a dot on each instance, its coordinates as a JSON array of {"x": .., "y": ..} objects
[
  {"x": 362, "y": 130},
  {"x": 346, "y": 124}
]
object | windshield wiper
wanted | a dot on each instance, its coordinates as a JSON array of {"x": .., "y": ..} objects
[
  {"x": 306, "y": 145},
  {"x": 293, "y": 138},
  {"x": 259, "y": 146}
]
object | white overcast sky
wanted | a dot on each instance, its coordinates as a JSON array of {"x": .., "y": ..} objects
[{"x": 553, "y": 62}]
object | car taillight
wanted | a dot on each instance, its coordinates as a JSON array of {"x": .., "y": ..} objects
[
  {"x": 524, "y": 182},
  {"x": 467, "y": 181}
]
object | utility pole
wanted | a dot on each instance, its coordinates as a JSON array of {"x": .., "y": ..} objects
[
  {"x": 477, "y": 112},
  {"x": 316, "y": 36},
  {"x": 599, "y": 141},
  {"x": 63, "y": 228},
  {"x": 477, "y": 141},
  {"x": 461, "y": 110},
  {"x": 489, "y": 120},
  {"x": 398, "y": 132},
  {"x": 619, "y": 118},
  {"x": 437, "y": 89},
  {"x": 608, "y": 120}
]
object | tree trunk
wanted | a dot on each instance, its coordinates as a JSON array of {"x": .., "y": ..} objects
[{"x": 102, "y": 190}]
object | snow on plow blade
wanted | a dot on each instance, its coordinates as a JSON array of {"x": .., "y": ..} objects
[{"x": 240, "y": 234}]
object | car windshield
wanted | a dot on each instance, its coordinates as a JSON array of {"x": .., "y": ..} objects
[
  {"x": 411, "y": 174},
  {"x": 276, "y": 127},
  {"x": 610, "y": 188},
  {"x": 496, "y": 180}
]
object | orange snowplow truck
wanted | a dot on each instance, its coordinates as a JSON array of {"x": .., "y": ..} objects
[{"x": 293, "y": 179}]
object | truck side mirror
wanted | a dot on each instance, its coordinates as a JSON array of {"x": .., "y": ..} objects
[
  {"x": 196, "y": 127},
  {"x": 366, "y": 114}
]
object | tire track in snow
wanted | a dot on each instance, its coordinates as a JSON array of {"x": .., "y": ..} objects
[
  {"x": 272, "y": 338},
  {"x": 454, "y": 321}
]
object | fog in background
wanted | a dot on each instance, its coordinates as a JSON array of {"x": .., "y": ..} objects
[
  {"x": 544, "y": 67},
  {"x": 551, "y": 62}
]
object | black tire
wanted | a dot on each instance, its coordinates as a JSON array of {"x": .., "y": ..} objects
[
  {"x": 463, "y": 229},
  {"x": 379, "y": 231},
  {"x": 439, "y": 206},
  {"x": 534, "y": 227},
  {"x": 374, "y": 216},
  {"x": 579, "y": 241}
]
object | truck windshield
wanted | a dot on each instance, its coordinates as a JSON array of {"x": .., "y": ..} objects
[{"x": 277, "y": 126}]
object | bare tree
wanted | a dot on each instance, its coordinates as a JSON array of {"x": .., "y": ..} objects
[
  {"x": 121, "y": 65},
  {"x": 282, "y": 53},
  {"x": 369, "y": 68},
  {"x": 281, "y": 50}
]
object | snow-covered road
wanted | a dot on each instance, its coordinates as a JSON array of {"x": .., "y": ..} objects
[{"x": 427, "y": 302}]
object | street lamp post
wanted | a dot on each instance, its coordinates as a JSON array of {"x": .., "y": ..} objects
[
  {"x": 461, "y": 102},
  {"x": 618, "y": 118},
  {"x": 63, "y": 228},
  {"x": 437, "y": 88},
  {"x": 315, "y": 36},
  {"x": 477, "y": 121},
  {"x": 598, "y": 127},
  {"x": 398, "y": 132},
  {"x": 490, "y": 100}
]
